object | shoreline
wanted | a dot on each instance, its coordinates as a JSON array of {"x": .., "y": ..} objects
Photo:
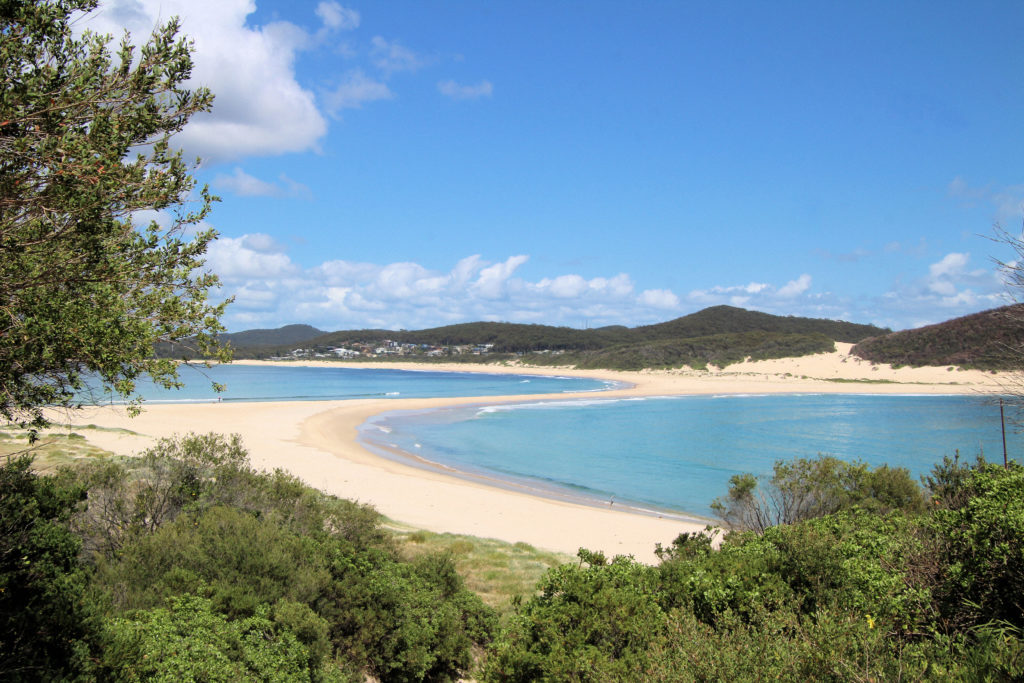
[
  {"x": 318, "y": 441},
  {"x": 521, "y": 485}
]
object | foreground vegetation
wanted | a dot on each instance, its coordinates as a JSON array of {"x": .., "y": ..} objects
[{"x": 187, "y": 565}]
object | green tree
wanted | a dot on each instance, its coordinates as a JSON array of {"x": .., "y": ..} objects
[
  {"x": 806, "y": 488},
  {"x": 43, "y": 617},
  {"x": 189, "y": 641},
  {"x": 84, "y": 148}
]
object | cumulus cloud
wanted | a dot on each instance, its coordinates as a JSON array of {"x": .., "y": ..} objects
[
  {"x": 260, "y": 108},
  {"x": 659, "y": 298},
  {"x": 795, "y": 287},
  {"x": 355, "y": 90},
  {"x": 455, "y": 91},
  {"x": 335, "y": 16},
  {"x": 952, "y": 287},
  {"x": 792, "y": 298},
  {"x": 270, "y": 290},
  {"x": 390, "y": 56},
  {"x": 257, "y": 257},
  {"x": 244, "y": 185}
]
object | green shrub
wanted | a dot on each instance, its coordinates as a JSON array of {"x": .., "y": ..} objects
[{"x": 591, "y": 622}]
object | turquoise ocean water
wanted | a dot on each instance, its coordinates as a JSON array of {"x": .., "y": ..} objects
[
  {"x": 296, "y": 383},
  {"x": 673, "y": 454},
  {"x": 677, "y": 454}
]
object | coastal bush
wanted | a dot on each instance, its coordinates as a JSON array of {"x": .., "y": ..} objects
[
  {"x": 979, "y": 546},
  {"x": 44, "y": 616},
  {"x": 254, "y": 575},
  {"x": 805, "y": 488},
  {"x": 246, "y": 542},
  {"x": 594, "y": 621},
  {"x": 189, "y": 640}
]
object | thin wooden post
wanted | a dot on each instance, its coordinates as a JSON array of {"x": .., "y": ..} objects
[{"x": 1002, "y": 422}]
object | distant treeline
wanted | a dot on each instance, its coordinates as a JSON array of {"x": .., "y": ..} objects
[
  {"x": 519, "y": 338},
  {"x": 695, "y": 352},
  {"x": 719, "y": 335},
  {"x": 990, "y": 340}
]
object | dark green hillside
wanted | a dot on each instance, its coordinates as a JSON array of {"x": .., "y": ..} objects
[
  {"x": 729, "y": 319},
  {"x": 697, "y": 352},
  {"x": 282, "y": 336},
  {"x": 249, "y": 344},
  {"x": 717, "y": 335},
  {"x": 506, "y": 337},
  {"x": 990, "y": 340}
]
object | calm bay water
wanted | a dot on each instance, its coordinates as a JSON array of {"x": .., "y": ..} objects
[
  {"x": 672, "y": 454},
  {"x": 296, "y": 383},
  {"x": 679, "y": 453}
]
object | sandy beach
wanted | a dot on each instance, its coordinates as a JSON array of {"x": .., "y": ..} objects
[{"x": 317, "y": 441}]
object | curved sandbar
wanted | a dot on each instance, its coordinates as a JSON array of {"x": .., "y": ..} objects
[{"x": 318, "y": 442}]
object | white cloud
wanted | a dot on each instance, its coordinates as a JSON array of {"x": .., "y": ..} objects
[
  {"x": 951, "y": 288},
  {"x": 251, "y": 256},
  {"x": 465, "y": 92},
  {"x": 493, "y": 280},
  {"x": 1008, "y": 202},
  {"x": 951, "y": 265},
  {"x": 260, "y": 108},
  {"x": 391, "y": 56},
  {"x": 335, "y": 16},
  {"x": 262, "y": 243},
  {"x": 272, "y": 290},
  {"x": 356, "y": 89},
  {"x": 241, "y": 183},
  {"x": 659, "y": 298},
  {"x": 567, "y": 286},
  {"x": 795, "y": 287}
]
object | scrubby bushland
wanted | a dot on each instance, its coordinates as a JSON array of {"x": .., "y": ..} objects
[
  {"x": 193, "y": 566},
  {"x": 697, "y": 352},
  {"x": 187, "y": 564},
  {"x": 990, "y": 340},
  {"x": 806, "y": 488},
  {"x": 871, "y": 592},
  {"x": 42, "y": 615}
]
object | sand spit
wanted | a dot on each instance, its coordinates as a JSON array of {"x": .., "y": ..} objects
[{"x": 317, "y": 441}]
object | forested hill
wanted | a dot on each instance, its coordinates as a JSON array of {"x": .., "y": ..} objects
[
  {"x": 731, "y": 320},
  {"x": 717, "y": 335},
  {"x": 282, "y": 336},
  {"x": 990, "y": 340},
  {"x": 519, "y": 338}
]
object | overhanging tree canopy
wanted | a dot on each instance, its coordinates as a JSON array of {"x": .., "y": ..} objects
[{"x": 83, "y": 150}]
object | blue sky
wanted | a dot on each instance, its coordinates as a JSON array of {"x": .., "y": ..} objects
[{"x": 411, "y": 164}]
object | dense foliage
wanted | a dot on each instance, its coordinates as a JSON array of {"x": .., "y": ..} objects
[
  {"x": 806, "y": 488},
  {"x": 990, "y": 340},
  {"x": 186, "y": 564},
  {"x": 859, "y": 594},
  {"x": 697, "y": 352},
  {"x": 83, "y": 150}
]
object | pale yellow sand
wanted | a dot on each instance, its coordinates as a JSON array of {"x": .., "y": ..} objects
[{"x": 316, "y": 441}]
